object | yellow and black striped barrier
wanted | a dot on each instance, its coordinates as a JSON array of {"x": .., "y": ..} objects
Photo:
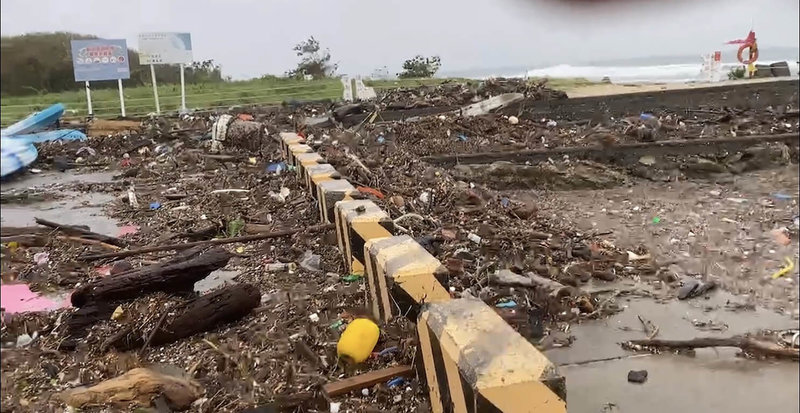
[
  {"x": 331, "y": 192},
  {"x": 287, "y": 139},
  {"x": 297, "y": 149},
  {"x": 316, "y": 174},
  {"x": 475, "y": 362},
  {"x": 357, "y": 222},
  {"x": 401, "y": 275}
]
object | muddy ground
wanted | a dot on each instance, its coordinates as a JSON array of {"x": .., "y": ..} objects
[{"x": 626, "y": 237}]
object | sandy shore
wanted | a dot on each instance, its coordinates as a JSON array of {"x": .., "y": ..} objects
[{"x": 618, "y": 89}]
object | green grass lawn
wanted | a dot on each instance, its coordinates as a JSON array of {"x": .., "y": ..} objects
[{"x": 139, "y": 100}]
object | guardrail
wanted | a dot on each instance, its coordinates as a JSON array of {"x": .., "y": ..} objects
[{"x": 473, "y": 360}]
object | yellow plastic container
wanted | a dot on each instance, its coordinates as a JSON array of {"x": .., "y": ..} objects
[{"x": 358, "y": 340}]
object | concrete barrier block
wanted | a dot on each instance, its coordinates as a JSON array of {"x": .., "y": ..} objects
[
  {"x": 304, "y": 160},
  {"x": 287, "y": 139},
  {"x": 319, "y": 173},
  {"x": 295, "y": 150},
  {"x": 356, "y": 223},
  {"x": 401, "y": 276},
  {"x": 475, "y": 362},
  {"x": 331, "y": 192}
]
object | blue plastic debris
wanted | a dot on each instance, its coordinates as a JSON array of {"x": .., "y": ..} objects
[
  {"x": 461, "y": 137},
  {"x": 506, "y": 304},
  {"x": 505, "y": 202},
  {"x": 782, "y": 197},
  {"x": 646, "y": 116},
  {"x": 388, "y": 350},
  {"x": 276, "y": 167},
  {"x": 397, "y": 381},
  {"x": 155, "y": 205},
  {"x": 381, "y": 140}
]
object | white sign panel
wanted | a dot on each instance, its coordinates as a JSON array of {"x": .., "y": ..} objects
[{"x": 165, "y": 48}]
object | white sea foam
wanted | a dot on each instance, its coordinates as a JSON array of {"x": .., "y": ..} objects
[{"x": 639, "y": 74}]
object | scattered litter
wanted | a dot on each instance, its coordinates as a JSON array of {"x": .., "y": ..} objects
[
  {"x": 656, "y": 220},
  {"x": 693, "y": 288},
  {"x": 311, "y": 262},
  {"x": 314, "y": 318},
  {"x": 335, "y": 406},
  {"x": 280, "y": 196},
  {"x": 352, "y": 278},
  {"x": 779, "y": 235},
  {"x": 370, "y": 191},
  {"x": 276, "y": 167},
  {"x": 155, "y": 205},
  {"x": 474, "y": 238},
  {"x": 225, "y": 191},
  {"x": 785, "y": 270},
  {"x": 647, "y": 160},
  {"x": 41, "y": 258},
  {"x": 513, "y": 120},
  {"x": 637, "y": 376},
  {"x": 782, "y": 197},
  {"x": 117, "y": 314},
  {"x": 23, "y": 340},
  {"x": 280, "y": 266},
  {"x": 357, "y": 341},
  {"x": 506, "y": 304},
  {"x": 462, "y": 138},
  {"x": 397, "y": 381}
]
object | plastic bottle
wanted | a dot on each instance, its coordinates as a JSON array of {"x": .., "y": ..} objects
[{"x": 358, "y": 340}]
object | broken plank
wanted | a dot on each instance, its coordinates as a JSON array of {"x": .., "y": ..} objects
[{"x": 365, "y": 380}]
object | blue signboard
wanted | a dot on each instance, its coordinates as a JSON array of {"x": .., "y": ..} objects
[{"x": 100, "y": 59}]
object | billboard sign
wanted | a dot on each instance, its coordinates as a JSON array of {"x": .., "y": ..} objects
[
  {"x": 165, "y": 48},
  {"x": 100, "y": 59}
]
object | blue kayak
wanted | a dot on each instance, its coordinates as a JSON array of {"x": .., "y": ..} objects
[
  {"x": 51, "y": 135},
  {"x": 16, "y": 154},
  {"x": 36, "y": 122}
]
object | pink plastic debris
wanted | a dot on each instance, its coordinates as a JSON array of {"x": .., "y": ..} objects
[
  {"x": 127, "y": 230},
  {"x": 18, "y": 298}
]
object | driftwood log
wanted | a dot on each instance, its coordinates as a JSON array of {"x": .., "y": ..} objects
[
  {"x": 187, "y": 245},
  {"x": 173, "y": 277},
  {"x": 532, "y": 280},
  {"x": 196, "y": 316},
  {"x": 139, "y": 387},
  {"x": 85, "y": 233},
  {"x": 745, "y": 343}
]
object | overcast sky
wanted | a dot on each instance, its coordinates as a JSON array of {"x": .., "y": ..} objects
[{"x": 251, "y": 38}]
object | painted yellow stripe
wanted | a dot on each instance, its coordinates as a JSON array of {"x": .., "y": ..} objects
[
  {"x": 331, "y": 192},
  {"x": 501, "y": 368}
]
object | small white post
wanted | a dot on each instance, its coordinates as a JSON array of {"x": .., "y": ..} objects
[
  {"x": 155, "y": 88},
  {"x": 183, "y": 91},
  {"x": 121, "y": 98},
  {"x": 89, "y": 98}
]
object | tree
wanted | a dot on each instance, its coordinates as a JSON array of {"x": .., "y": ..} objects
[
  {"x": 314, "y": 61},
  {"x": 420, "y": 66},
  {"x": 42, "y": 62}
]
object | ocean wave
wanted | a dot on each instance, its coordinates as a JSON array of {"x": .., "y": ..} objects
[{"x": 641, "y": 74}]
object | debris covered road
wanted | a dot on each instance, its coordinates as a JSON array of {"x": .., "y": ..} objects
[{"x": 580, "y": 254}]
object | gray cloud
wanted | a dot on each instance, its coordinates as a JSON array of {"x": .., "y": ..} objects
[{"x": 250, "y": 38}]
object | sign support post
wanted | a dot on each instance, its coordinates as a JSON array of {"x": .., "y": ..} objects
[
  {"x": 121, "y": 98},
  {"x": 100, "y": 59},
  {"x": 166, "y": 48},
  {"x": 183, "y": 91},
  {"x": 89, "y": 98},
  {"x": 155, "y": 88}
]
